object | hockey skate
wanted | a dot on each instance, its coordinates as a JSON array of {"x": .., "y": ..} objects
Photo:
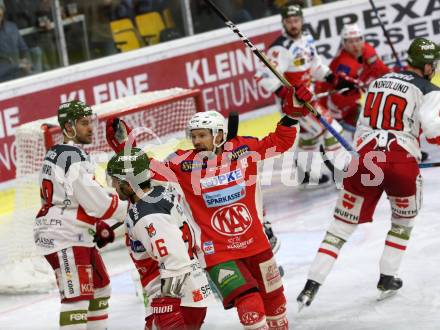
[
  {"x": 307, "y": 295},
  {"x": 308, "y": 183},
  {"x": 273, "y": 240},
  {"x": 388, "y": 286}
]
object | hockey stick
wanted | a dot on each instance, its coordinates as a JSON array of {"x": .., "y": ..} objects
[
  {"x": 373, "y": 6},
  {"x": 233, "y": 121},
  {"x": 329, "y": 93},
  {"x": 262, "y": 57},
  {"x": 428, "y": 165}
]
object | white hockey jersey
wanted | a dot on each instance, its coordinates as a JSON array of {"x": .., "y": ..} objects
[
  {"x": 404, "y": 104},
  {"x": 72, "y": 201},
  {"x": 159, "y": 228},
  {"x": 296, "y": 59}
]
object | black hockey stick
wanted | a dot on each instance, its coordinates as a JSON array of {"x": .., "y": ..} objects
[
  {"x": 373, "y": 6},
  {"x": 233, "y": 121},
  {"x": 262, "y": 57}
]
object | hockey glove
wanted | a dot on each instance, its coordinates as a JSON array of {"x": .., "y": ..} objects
[
  {"x": 104, "y": 234},
  {"x": 167, "y": 313},
  {"x": 293, "y": 100},
  {"x": 149, "y": 322},
  {"x": 117, "y": 134}
]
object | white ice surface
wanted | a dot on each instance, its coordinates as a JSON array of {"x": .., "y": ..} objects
[{"x": 346, "y": 301}]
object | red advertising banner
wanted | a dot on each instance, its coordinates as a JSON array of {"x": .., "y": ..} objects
[{"x": 224, "y": 74}]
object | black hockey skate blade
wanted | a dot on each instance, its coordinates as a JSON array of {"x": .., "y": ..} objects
[{"x": 386, "y": 294}]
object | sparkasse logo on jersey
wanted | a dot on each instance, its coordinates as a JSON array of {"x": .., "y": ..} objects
[{"x": 232, "y": 220}]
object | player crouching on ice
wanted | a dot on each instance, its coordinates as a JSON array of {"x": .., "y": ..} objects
[
  {"x": 397, "y": 107},
  {"x": 228, "y": 214},
  {"x": 72, "y": 204},
  {"x": 160, "y": 233}
]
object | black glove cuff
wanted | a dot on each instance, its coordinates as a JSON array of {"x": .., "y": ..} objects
[
  {"x": 288, "y": 121},
  {"x": 329, "y": 77}
]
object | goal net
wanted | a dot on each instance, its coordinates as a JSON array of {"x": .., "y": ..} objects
[{"x": 162, "y": 114}]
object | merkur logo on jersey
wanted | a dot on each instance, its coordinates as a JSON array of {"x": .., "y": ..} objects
[{"x": 232, "y": 220}]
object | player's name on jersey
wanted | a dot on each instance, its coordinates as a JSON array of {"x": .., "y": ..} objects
[{"x": 394, "y": 85}]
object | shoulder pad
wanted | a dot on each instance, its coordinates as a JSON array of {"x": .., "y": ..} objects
[
  {"x": 159, "y": 200},
  {"x": 423, "y": 85},
  {"x": 64, "y": 155},
  {"x": 280, "y": 41}
]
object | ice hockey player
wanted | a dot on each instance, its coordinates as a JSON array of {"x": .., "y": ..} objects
[
  {"x": 397, "y": 106},
  {"x": 74, "y": 205},
  {"x": 218, "y": 182},
  {"x": 294, "y": 55},
  {"x": 358, "y": 61},
  {"x": 161, "y": 239}
]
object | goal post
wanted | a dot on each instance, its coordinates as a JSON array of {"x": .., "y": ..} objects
[{"x": 164, "y": 114}]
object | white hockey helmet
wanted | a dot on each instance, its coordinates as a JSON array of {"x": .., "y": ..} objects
[
  {"x": 350, "y": 31},
  {"x": 212, "y": 120}
]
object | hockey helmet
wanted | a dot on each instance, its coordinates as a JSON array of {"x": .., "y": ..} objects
[
  {"x": 350, "y": 31},
  {"x": 291, "y": 8},
  {"x": 423, "y": 51},
  {"x": 132, "y": 166},
  {"x": 212, "y": 120},
  {"x": 72, "y": 111}
]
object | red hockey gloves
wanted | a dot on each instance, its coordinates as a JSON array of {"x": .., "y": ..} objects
[
  {"x": 117, "y": 134},
  {"x": 293, "y": 100},
  {"x": 104, "y": 234},
  {"x": 435, "y": 140},
  {"x": 149, "y": 322},
  {"x": 167, "y": 313}
]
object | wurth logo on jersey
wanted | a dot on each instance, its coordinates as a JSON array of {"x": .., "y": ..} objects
[
  {"x": 404, "y": 206},
  {"x": 348, "y": 201},
  {"x": 348, "y": 207},
  {"x": 402, "y": 202},
  {"x": 232, "y": 220}
]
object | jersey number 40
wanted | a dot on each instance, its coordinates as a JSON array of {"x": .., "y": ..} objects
[{"x": 392, "y": 106}]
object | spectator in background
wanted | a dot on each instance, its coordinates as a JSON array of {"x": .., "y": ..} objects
[
  {"x": 205, "y": 19},
  {"x": 98, "y": 16},
  {"x": 46, "y": 35},
  {"x": 125, "y": 9},
  {"x": 14, "y": 54},
  {"x": 146, "y": 6},
  {"x": 24, "y": 14}
]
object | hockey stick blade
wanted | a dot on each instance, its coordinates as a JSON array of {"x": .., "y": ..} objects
[
  {"x": 116, "y": 225},
  {"x": 263, "y": 58},
  {"x": 233, "y": 122}
]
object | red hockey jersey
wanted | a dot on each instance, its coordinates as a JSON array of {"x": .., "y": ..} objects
[{"x": 224, "y": 195}]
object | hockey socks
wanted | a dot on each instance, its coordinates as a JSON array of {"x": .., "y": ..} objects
[
  {"x": 73, "y": 316},
  {"x": 395, "y": 245},
  {"x": 250, "y": 309}
]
